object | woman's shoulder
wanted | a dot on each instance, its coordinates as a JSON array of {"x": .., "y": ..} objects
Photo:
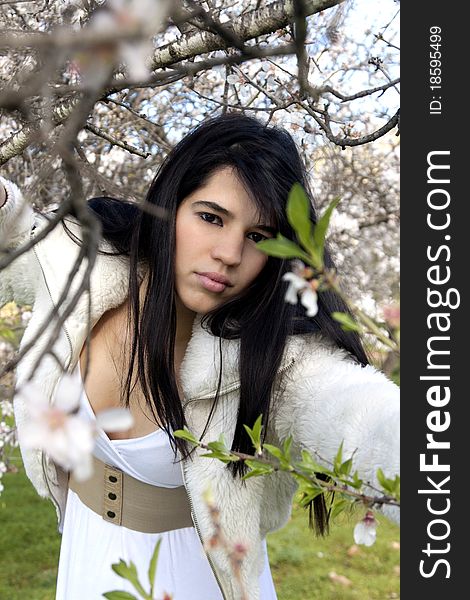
[
  {"x": 114, "y": 217},
  {"x": 318, "y": 357},
  {"x": 60, "y": 251},
  {"x": 315, "y": 346}
]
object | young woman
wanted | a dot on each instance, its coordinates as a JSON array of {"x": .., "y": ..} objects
[{"x": 190, "y": 328}]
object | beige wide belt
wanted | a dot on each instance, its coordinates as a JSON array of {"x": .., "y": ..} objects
[{"x": 124, "y": 500}]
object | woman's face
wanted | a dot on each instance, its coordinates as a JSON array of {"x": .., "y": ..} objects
[{"x": 217, "y": 229}]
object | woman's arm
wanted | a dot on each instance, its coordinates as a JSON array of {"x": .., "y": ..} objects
[
  {"x": 17, "y": 281},
  {"x": 331, "y": 400}
]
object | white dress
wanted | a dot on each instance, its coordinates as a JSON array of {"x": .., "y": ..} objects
[{"x": 90, "y": 545}]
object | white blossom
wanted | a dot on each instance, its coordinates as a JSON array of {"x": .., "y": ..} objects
[
  {"x": 6, "y": 407},
  {"x": 139, "y": 19},
  {"x": 4, "y": 428},
  {"x": 137, "y": 59},
  {"x": 26, "y": 316},
  {"x": 146, "y": 15},
  {"x": 60, "y": 431},
  {"x": 365, "y": 531},
  {"x": 234, "y": 79},
  {"x": 66, "y": 437},
  {"x": 299, "y": 286},
  {"x": 296, "y": 120},
  {"x": 5, "y": 347}
]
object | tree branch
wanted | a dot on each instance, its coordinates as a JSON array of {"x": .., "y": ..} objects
[
  {"x": 344, "y": 141},
  {"x": 253, "y": 24},
  {"x": 343, "y": 98},
  {"x": 124, "y": 145},
  {"x": 263, "y": 21}
]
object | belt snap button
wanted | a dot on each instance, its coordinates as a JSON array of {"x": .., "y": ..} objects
[
  {"x": 111, "y": 514},
  {"x": 112, "y": 496},
  {"x": 112, "y": 478}
]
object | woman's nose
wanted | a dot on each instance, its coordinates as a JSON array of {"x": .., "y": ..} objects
[{"x": 229, "y": 250}]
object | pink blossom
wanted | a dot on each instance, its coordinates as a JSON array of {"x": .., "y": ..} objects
[{"x": 391, "y": 314}]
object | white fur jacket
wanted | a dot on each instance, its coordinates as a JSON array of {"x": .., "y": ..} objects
[{"x": 327, "y": 399}]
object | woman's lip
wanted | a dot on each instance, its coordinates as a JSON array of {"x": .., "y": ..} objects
[{"x": 210, "y": 284}]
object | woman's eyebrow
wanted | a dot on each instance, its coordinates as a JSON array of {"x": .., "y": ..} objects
[
  {"x": 214, "y": 206},
  {"x": 230, "y": 215}
]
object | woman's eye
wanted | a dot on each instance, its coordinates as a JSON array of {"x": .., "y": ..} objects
[
  {"x": 210, "y": 218},
  {"x": 257, "y": 237},
  {"x": 216, "y": 220}
]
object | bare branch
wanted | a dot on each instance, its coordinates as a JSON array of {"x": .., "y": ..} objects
[
  {"x": 156, "y": 128},
  {"x": 362, "y": 94},
  {"x": 15, "y": 144},
  {"x": 114, "y": 141},
  {"x": 300, "y": 31},
  {"x": 266, "y": 20},
  {"x": 344, "y": 141},
  {"x": 253, "y": 24},
  {"x": 3, "y": 2}
]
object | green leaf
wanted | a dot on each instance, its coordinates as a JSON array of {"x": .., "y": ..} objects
[
  {"x": 281, "y": 247},
  {"x": 397, "y": 483},
  {"x": 347, "y": 322},
  {"x": 257, "y": 468},
  {"x": 319, "y": 231},
  {"x": 338, "y": 459},
  {"x": 287, "y": 447},
  {"x": 153, "y": 566},
  {"x": 391, "y": 486},
  {"x": 381, "y": 478},
  {"x": 219, "y": 447},
  {"x": 274, "y": 451},
  {"x": 219, "y": 450},
  {"x": 185, "y": 434},
  {"x": 118, "y": 595},
  {"x": 8, "y": 335},
  {"x": 396, "y": 488},
  {"x": 309, "y": 494},
  {"x": 257, "y": 428},
  {"x": 129, "y": 572},
  {"x": 346, "y": 466},
  {"x": 310, "y": 465},
  {"x": 256, "y": 464},
  {"x": 255, "y": 433},
  {"x": 356, "y": 482},
  {"x": 298, "y": 215},
  {"x": 120, "y": 568},
  {"x": 257, "y": 471},
  {"x": 338, "y": 507},
  {"x": 225, "y": 458}
]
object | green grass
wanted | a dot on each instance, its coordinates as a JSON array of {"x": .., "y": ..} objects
[
  {"x": 300, "y": 563},
  {"x": 29, "y": 542}
]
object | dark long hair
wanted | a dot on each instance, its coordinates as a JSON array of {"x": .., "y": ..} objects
[{"x": 267, "y": 162}]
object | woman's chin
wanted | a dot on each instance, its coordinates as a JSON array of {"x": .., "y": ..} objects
[{"x": 201, "y": 302}]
